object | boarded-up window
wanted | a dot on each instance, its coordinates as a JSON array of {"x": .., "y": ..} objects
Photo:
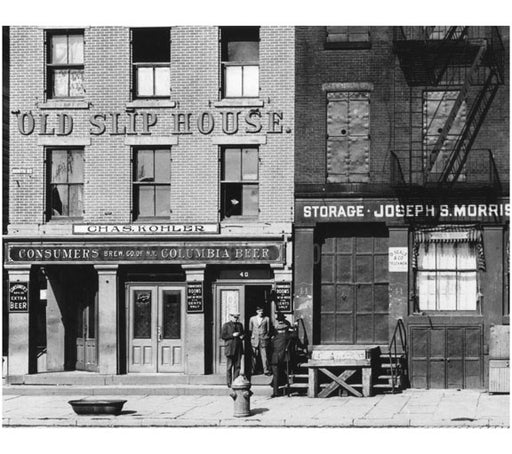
[
  {"x": 437, "y": 106},
  {"x": 348, "y": 137},
  {"x": 347, "y": 37}
]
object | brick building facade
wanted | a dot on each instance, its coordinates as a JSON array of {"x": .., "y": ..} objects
[
  {"x": 153, "y": 188},
  {"x": 401, "y": 185}
]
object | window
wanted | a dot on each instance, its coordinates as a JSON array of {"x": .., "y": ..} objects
[
  {"x": 65, "y": 67},
  {"x": 239, "y": 182},
  {"x": 348, "y": 137},
  {"x": 152, "y": 183},
  {"x": 240, "y": 62},
  {"x": 66, "y": 183},
  {"x": 151, "y": 56},
  {"x": 447, "y": 276},
  {"x": 347, "y": 38}
]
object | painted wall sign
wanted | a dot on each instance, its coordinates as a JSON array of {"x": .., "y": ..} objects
[
  {"x": 143, "y": 229},
  {"x": 376, "y": 211},
  {"x": 18, "y": 297},
  {"x": 195, "y": 297},
  {"x": 163, "y": 253},
  {"x": 448, "y": 236},
  {"x": 398, "y": 260},
  {"x": 284, "y": 297},
  {"x": 21, "y": 171},
  {"x": 250, "y": 121}
]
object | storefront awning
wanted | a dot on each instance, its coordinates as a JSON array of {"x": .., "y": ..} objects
[{"x": 450, "y": 234}]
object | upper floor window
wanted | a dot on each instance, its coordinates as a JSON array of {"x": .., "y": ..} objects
[
  {"x": 240, "y": 62},
  {"x": 239, "y": 182},
  {"x": 152, "y": 183},
  {"x": 151, "y": 57},
  {"x": 65, "y": 65},
  {"x": 348, "y": 137},
  {"x": 65, "y": 183},
  {"x": 347, "y": 37}
]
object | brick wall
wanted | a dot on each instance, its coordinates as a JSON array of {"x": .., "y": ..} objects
[{"x": 195, "y": 79}]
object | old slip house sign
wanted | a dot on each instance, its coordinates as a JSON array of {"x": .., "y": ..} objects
[{"x": 162, "y": 253}]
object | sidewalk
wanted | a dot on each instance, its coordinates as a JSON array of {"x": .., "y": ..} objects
[{"x": 412, "y": 408}]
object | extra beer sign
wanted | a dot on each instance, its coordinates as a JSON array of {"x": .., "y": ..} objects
[{"x": 18, "y": 297}]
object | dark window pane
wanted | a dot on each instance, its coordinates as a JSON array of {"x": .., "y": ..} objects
[
  {"x": 243, "y": 51},
  {"x": 162, "y": 166},
  {"x": 59, "y": 200},
  {"x": 250, "y": 201},
  {"x": 162, "y": 201},
  {"x": 151, "y": 45},
  {"x": 171, "y": 315},
  {"x": 142, "y": 314},
  {"x": 232, "y": 199},
  {"x": 76, "y": 49},
  {"x": 240, "y": 44},
  {"x": 59, "y": 53},
  {"x": 145, "y": 166},
  {"x": 146, "y": 200},
  {"x": 92, "y": 321},
  {"x": 232, "y": 164}
]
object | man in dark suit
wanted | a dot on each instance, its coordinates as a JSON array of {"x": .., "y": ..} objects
[
  {"x": 284, "y": 335},
  {"x": 259, "y": 327},
  {"x": 233, "y": 333}
]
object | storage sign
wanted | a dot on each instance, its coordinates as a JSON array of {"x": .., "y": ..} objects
[{"x": 18, "y": 297}]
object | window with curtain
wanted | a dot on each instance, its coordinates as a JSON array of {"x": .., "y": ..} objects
[
  {"x": 65, "y": 65},
  {"x": 447, "y": 277}
]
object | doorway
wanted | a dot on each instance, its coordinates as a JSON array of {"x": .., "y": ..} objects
[
  {"x": 242, "y": 299},
  {"x": 155, "y": 328},
  {"x": 86, "y": 349}
]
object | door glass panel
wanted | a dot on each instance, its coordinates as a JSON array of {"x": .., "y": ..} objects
[
  {"x": 142, "y": 314},
  {"x": 230, "y": 303},
  {"x": 171, "y": 314}
]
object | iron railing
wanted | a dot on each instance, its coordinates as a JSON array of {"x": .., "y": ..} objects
[{"x": 397, "y": 358}]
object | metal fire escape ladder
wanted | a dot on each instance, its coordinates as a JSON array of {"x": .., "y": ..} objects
[
  {"x": 453, "y": 36},
  {"x": 459, "y": 153},
  {"x": 463, "y": 93}
]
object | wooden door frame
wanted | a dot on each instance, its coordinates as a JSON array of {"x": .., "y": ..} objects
[{"x": 216, "y": 311}]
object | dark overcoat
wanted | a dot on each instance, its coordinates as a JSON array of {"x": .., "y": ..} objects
[{"x": 233, "y": 344}]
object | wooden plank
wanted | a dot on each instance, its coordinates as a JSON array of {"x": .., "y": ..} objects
[
  {"x": 312, "y": 382},
  {"x": 334, "y": 385},
  {"x": 339, "y": 363},
  {"x": 341, "y": 381},
  {"x": 367, "y": 381}
]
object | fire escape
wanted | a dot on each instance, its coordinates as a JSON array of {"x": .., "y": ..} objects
[{"x": 451, "y": 77}]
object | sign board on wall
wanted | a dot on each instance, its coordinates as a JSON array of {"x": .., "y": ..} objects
[
  {"x": 143, "y": 229},
  {"x": 18, "y": 297},
  {"x": 398, "y": 259},
  {"x": 283, "y": 297},
  {"x": 195, "y": 302}
]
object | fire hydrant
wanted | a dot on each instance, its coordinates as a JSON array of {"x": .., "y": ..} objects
[{"x": 241, "y": 394}]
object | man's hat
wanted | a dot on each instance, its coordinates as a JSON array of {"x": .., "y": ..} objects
[
  {"x": 236, "y": 314},
  {"x": 259, "y": 308}
]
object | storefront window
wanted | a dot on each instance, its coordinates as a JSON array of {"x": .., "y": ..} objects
[
  {"x": 239, "y": 182},
  {"x": 151, "y": 56},
  {"x": 152, "y": 183},
  {"x": 65, "y": 65},
  {"x": 66, "y": 183},
  {"x": 240, "y": 62},
  {"x": 447, "y": 277}
]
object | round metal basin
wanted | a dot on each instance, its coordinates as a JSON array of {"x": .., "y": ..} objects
[{"x": 97, "y": 407}]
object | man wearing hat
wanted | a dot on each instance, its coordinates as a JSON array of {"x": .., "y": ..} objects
[
  {"x": 259, "y": 327},
  {"x": 233, "y": 333},
  {"x": 280, "y": 343}
]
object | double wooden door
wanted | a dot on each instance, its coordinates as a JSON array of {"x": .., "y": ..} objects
[
  {"x": 86, "y": 346},
  {"x": 156, "y": 328}
]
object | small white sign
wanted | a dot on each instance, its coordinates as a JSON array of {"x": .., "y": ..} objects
[
  {"x": 21, "y": 171},
  {"x": 144, "y": 229},
  {"x": 398, "y": 259}
]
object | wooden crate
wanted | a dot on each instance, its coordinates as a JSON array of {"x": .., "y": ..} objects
[
  {"x": 499, "y": 342},
  {"x": 499, "y": 376}
]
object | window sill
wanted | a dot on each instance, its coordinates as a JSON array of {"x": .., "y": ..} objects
[
  {"x": 239, "y": 102},
  {"x": 152, "y": 220},
  {"x": 354, "y": 45},
  {"x": 233, "y": 221},
  {"x": 63, "y": 104},
  {"x": 64, "y": 220},
  {"x": 151, "y": 103}
]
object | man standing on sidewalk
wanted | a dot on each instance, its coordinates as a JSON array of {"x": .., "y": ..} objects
[
  {"x": 259, "y": 327},
  {"x": 233, "y": 333}
]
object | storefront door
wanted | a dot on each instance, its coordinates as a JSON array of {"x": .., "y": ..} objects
[
  {"x": 86, "y": 350},
  {"x": 156, "y": 328}
]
